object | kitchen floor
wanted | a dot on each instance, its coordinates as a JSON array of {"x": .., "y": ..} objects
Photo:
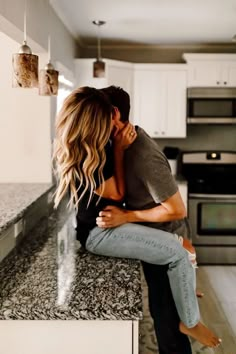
[{"x": 218, "y": 310}]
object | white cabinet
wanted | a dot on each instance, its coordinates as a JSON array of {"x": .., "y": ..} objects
[
  {"x": 73, "y": 337},
  {"x": 160, "y": 99},
  {"x": 157, "y": 93},
  {"x": 215, "y": 70},
  {"x": 229, "y": 74}
]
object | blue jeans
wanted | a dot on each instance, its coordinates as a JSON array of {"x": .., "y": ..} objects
[
  {"x": 163, "y": 311},
  {"x": 155, "y": 247}
]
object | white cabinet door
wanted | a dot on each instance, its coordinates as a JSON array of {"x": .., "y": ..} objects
[
  {"x": 229, "y": 74},
  {"x": 63, "y": 337},
  {"x": 149, "y": 100},
  {"x": 120, "y": 76},
  {"x": 160, "y": 101},
  {"x": 204, "y": 74},
  {"x": 174, "y": 124}
]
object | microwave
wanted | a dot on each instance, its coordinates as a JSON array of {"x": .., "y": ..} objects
[{"x": 211, "y": 105}]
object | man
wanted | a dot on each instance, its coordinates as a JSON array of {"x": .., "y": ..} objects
[{"x": 152, "y": 198}]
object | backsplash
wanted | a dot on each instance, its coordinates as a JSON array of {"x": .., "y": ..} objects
[{"x": 204, "y": 137}]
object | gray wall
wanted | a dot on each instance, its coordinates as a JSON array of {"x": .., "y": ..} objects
[
  {"x": 153, "y": 54},
  {"x": 205, "y": 137}
]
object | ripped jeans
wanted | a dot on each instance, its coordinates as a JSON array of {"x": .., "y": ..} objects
[{"x": 153, "y": 246}]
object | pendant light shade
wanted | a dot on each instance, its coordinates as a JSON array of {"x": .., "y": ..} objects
[
  {"x": 48, "y": 81},
  {"x": 48, "y": 77},
  {"x": 98, "y": 68},
  {"x": 99, "y": 65},
  {"x": 25, "y": 69},
  {"x": 25, "y": 65}
]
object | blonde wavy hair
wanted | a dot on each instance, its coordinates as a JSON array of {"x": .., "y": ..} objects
[{"x": 83, "y": 128}]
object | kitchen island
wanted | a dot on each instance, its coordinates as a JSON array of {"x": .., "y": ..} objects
[{"x": 48, "y": 277}]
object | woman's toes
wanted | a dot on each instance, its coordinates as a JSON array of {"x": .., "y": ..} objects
[{"x": 217, "y": 342}]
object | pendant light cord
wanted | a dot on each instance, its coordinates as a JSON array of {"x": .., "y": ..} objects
[
  {"x": 49, "y": 30},
  {"x": 98, "y": 23},
  {"x": 99, "y": 44},
  {"x": 25, "y": 21}
]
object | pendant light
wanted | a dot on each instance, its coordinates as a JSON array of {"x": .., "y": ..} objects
[
  {"x": 25, "y": 64},
  {"x": 99, "y": 65},
  {"x": 48, "y": 77}
]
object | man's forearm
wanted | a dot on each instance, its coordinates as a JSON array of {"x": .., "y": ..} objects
[{"x": 156, "y": 214}]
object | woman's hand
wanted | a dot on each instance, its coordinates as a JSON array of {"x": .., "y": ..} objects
[
  {"x": 111, "y": 216},
  {"x": 124, "y": 137}
]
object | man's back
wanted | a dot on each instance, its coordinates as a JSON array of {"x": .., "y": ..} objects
[{"x": 149, "y": 180}]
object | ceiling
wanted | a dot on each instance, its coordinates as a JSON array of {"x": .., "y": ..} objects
[{"x": 149, "y": 22}]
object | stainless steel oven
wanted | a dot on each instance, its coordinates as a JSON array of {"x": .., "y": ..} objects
[{"x": 212, "y": 204}]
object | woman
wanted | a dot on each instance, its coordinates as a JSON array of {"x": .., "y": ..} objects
[{"x": 92, "y": 171}]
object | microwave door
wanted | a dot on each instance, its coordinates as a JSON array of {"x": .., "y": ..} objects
[
  {"x": 211, "y": 105},
  {"x": 211, "y": 110}
]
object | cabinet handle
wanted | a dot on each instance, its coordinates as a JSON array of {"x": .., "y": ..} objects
[
  {"x": 218, "y": 82},
  {"x": 156, "y": 133},
  {"x": 163, "y": 133},
  {"x": 225, "y": 82}
]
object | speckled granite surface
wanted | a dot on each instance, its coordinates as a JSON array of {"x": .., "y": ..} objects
[
  {"x": 48, "y": 277},
  {"x": 15, "y": 198}
]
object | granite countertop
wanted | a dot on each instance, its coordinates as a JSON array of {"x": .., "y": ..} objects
[
  {"x": 47, "y": 276},
  {"x": 15, "y": 198}
]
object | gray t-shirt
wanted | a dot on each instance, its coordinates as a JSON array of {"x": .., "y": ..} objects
[{"x": 149, "y": 181}]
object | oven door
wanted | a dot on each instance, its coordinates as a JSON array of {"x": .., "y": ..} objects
[{"x": 213, "y": 219}]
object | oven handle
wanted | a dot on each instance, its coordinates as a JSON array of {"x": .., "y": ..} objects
[{"x": 212, "y": 196}]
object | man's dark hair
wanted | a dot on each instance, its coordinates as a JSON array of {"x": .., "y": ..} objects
[{"x": 120, "y": 99}]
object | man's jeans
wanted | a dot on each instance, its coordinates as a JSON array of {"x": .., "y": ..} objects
[
  {"x": 163, "y": 311},
  {"x": 155, "y": 247}
]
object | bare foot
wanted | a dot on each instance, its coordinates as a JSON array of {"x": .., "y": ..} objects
[
  {"x": 199, "y": 293},
  {"x": 201, "y": 333},
  {"x": 188, "y": 246},
  {"x": 191, "y": 251}
]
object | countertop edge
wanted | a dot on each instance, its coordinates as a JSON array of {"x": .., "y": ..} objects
[{"x": 23, "y": 211}]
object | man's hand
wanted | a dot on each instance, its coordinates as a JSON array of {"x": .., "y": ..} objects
[{"x": 111, "y": 216}]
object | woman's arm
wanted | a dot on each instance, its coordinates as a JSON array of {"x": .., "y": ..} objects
[{"x": 114, "y": 187}]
